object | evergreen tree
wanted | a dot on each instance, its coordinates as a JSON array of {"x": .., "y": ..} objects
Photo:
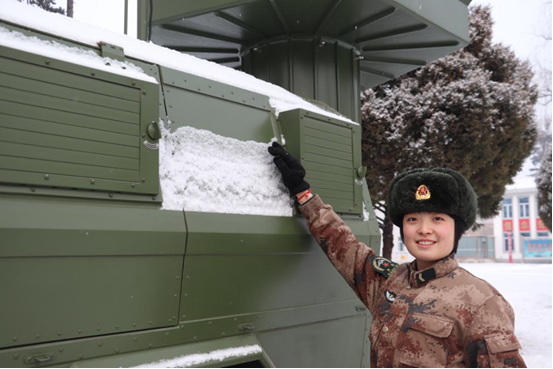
[
  {"x": 49, "y": 5},
  {"x": 543, "y": 181},
  {"x": 543, "y": 141},
  {"x": 471, "y": 111}
]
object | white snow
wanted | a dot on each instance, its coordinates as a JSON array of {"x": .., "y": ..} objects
[
  {"x": 55, "y": 24},
  {"x": 527, "y": 287},
  {"x": 75, "y": 55},
  {"x": 205, "y": 172},
  {"x": 202, "y": 358},
  {"x": 366, "y": 214}
]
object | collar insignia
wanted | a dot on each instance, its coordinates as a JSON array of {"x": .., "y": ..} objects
[
  {"x": 423, "y": 193},
  {"x": 390, "y": 296},
  {"x": 426, "y": 276}
]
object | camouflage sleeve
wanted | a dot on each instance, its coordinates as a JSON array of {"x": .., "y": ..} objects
[
  {"x": 491, "y": 341},
  {"x": 350, "y": 257}
]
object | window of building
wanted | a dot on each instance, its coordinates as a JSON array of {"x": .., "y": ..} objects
[
  {"x": 507, "y": 208},
  {"x": 543, "y": 234},
  {"x": 506, "y": 242},
  {"x": 525, "y": 234},
  {"x": 524, "y": 207}
]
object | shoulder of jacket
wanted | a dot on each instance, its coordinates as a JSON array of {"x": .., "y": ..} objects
[
  {"x": 383, "y": 266},
  {"x": 486, "y": 290}
]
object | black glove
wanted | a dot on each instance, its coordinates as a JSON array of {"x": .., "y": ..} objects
[{"x": 290, "y": 168}]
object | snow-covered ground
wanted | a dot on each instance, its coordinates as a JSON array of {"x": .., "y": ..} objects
[{"x": 527, "y": 287}]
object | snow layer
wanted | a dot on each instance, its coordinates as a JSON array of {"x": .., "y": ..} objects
[
  {"x": 198, "y": 359},
  {"x": 205, "y": 172},
  {"x": 527, "y": 287},
  {"x": 75, "y": 55},
  {"x": 55, "y": 24}
]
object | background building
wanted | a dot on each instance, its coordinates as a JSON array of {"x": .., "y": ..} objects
[{"x": 519, "y": 224}]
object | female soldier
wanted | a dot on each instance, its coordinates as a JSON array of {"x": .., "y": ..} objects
[{"x": 431, "y": 312}]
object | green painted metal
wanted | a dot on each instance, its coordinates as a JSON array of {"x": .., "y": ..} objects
[
  {"x": 326, "y": 50},
  {"x": 349, "y": 335},
  {"x": 104, "y": 114},
  {"x": 330, "y": 150},
  {"x": 205, "y": 104},
  {"x": 96, "y": 274},
  {"x": 113, "y": 51},
  {"x": 58, "y": 254},
  {"x": 173, "y": 352},
  {"x": 314, "y": 68},
  {"x": 110, "y": 269},
  {"x": 145, "y": 344}
]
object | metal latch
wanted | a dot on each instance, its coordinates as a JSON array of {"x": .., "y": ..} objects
[
  {"x": 361, "y": 172},
  {"x": 153, "y": 131},
  {"x": 112, "y": 51},
  {"x": 246, "y": 327},
  {"x": 39, "y": 358}
]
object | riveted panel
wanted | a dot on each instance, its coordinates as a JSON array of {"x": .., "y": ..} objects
[
  {"x": 75, "y": 270},
  {"x": 68, "y": 126},
  {"x": 330, "y": 151},
  {"x": 217, "y": 107}
]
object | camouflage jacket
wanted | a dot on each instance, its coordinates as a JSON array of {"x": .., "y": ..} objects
[{"x": 438, "y": 317}]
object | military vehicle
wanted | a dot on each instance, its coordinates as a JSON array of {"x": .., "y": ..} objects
[{"x": 97, "y": 270}]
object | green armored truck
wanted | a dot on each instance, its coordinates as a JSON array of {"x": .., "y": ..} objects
[{"x": 142, "y": 221}]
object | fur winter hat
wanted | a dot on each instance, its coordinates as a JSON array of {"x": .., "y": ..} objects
[{"x": 438, "y": 190}]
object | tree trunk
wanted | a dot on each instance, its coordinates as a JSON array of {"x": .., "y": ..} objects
[
  {"x": 387, "y": 238},
  {"x": 70, "y": 8}
]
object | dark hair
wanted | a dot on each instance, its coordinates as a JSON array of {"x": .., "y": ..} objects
[{"x": 460, "y": 229}]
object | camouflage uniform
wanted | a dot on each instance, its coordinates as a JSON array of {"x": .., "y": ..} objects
[{"x": 438, "y": 317}]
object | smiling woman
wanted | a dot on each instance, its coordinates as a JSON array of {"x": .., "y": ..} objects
[
  {"x": 429, "y": 313},
  {"x": 428, "y": 236}
]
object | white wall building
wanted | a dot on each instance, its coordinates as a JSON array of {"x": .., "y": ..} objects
[{"x": 519, "y": 221}]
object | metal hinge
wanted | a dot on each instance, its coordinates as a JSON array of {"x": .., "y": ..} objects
[{"x": 112, "y": 51}]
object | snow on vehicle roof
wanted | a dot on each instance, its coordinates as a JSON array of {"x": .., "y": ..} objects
[
  {"x": 58, "y": 25},
  {"x": 75, "y": 55}
]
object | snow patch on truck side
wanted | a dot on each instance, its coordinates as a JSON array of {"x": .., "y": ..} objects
[
  {"x": 198, "y": 359},
  {"x": 75, "y": 55},
  {"x": 204, "y": 172}
]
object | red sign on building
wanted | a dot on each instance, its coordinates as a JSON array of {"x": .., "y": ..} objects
[
  {"x": 524, "y": 225},
  {"x": 540, "y": 226},
  {"x": 507, "y": 225}
]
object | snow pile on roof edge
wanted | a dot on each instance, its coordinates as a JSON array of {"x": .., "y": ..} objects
[{"x": 55, "y": 50}]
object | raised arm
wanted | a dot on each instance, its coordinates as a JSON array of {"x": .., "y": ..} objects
[{"x": 353, "y": 259}]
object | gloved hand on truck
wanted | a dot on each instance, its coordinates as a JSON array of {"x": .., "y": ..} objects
[{"x": 291, "y": 169}]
